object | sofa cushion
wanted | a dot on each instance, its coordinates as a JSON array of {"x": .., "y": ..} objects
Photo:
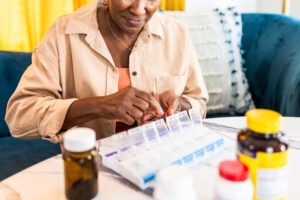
[
  {"x": 216, "y": 35},
  {"x": 272, "y": 59},
  {"x": 17, "y": 154},
  {"x": 12, "y": 66}
]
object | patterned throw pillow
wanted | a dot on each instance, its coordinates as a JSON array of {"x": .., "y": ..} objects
[{"x": 216, "y": 34}]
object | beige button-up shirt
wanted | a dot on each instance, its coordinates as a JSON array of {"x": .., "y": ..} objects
[{"x": 73, "y": 62}]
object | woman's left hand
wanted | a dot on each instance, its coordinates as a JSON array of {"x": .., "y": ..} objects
[{"x": 169, "y": 102}]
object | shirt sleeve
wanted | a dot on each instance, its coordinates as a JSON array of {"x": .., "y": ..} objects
[
  {"x": 37, "y": 109},
  {"x": 195, "y": 91}
]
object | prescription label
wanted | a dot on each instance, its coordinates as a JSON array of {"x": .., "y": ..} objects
[
  {"x": 268, "y": 173},
  {"x": 271, "y": 183}
]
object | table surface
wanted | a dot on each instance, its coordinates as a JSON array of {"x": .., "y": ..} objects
[{"x": 45, "y": 180}]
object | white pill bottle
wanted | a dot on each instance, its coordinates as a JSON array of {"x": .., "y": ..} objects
[
  {"x": 233, "y": 182},
  {"x": 174, "y": 183}
]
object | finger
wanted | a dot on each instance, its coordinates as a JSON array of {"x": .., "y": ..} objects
[
  {"x": 151, "y": 100},
  {"x": 127, "y": 119},
  {"x": 173, "y": 107},
  {"x": 168, "y": 100},
  {"x": 163, "y": 103},
  {"x": 147, "y": 117},
  {"x": 140, "y": 104},
  {"x": 135, "y": 113},
  {"x": 170, "y": 110}
]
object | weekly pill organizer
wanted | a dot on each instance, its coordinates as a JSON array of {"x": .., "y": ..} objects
[{"x": 139, "y": 153}]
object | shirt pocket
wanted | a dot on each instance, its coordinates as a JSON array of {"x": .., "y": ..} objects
[{"x": 173, "y": 83}]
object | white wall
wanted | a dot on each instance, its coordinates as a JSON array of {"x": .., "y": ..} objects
[
  {"x": 295, "y": 8},
  {"x": 269, "y": 6},
  {"x": 246, "y": 5},
  {"x": 266, "y": 6},
  {"x": 275, "y": 6}
]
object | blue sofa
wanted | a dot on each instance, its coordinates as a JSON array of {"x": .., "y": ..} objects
[
  {"x": 17, "y": 154},
  {"x": 272, "y": 59}
]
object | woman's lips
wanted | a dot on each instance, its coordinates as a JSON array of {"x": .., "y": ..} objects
[{"x": 134, "y": 22}]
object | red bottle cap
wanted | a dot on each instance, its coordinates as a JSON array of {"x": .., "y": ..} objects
[{"x": 233, "y": 170}]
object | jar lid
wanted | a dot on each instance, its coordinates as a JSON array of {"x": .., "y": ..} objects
[
  {"x": 168, "y": 177},
  {"x": 233, "y": 170},
  {"x": 79, "y": 139},
  {"x": 264, "y": 121},
  {"x": 174, "y": 183}
]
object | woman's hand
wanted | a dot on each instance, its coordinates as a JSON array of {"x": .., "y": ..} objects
[
  {"x": 130, "y": 105},
  {"x": 127, "y": 105},
  {"x": 170, "y": 103}
]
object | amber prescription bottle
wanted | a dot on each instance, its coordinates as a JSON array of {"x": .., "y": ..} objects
[
  {"x": 80, "y": 164},
  {"x": 261, "y": 149}
]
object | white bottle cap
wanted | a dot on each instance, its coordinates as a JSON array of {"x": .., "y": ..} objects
[
  {"x": 79, "y": 139},
  {"x": 174, "y": 182}
]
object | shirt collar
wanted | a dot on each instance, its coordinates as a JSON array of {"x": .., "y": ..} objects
[
  {"x": 155, "y": 25},
  {"x": 84, "y": 21}
]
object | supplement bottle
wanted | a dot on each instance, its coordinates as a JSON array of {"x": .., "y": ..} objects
[
  {"x": 261, "y": 149},
  {"x": 233, "y": 182},
  {"x": 80, "y": 164},
  {"x": 174, "y": 183}
]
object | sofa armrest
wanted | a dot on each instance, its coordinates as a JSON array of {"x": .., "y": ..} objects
[
  {"x": 12, "y": 66},
  {"x": 272, "y": 61}
]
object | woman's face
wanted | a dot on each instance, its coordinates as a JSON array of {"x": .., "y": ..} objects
[{"x": 131, "y": 15}]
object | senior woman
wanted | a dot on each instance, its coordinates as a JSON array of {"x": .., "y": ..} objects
[{"x": 109, "y": 64}]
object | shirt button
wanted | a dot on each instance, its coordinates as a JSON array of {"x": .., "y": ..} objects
[{"x": 134, "y": 73}]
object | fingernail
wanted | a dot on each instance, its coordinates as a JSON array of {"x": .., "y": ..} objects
[{"x": 160, "y": 111}]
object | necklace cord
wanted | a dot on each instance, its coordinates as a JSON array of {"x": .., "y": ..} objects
[{"x": 115, "y": 35}]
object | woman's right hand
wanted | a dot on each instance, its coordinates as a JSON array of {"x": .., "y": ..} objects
[{"x": 129, "y": 105}]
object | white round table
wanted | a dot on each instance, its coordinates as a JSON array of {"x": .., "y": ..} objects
[{"x": 45, "y": 180}]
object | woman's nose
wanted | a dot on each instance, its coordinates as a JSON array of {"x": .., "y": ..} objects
[{"x": 138, "y": 7}]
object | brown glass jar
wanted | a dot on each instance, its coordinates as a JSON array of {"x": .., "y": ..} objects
[
  {"x": 80, "y": 164},
  {"x": 251, "y": 142}
]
